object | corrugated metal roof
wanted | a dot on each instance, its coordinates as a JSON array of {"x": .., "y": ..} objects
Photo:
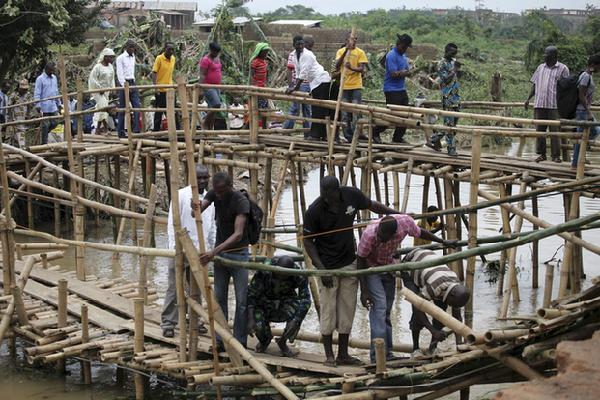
[
  {"x": 238, "y": 21},
  {"x": 156, "y": 5},
  {"x": 303, "y": 22}
]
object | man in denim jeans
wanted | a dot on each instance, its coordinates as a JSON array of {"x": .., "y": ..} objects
[
  {"x": 231, "y": 211},
  {"x": 293, "y": 60},
  {"x": 585, "y": 87},
  {"x": 377, "y": 246},
  {"x": 355, "y": 67}
]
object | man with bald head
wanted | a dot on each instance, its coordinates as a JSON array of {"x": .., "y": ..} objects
[
  {"x": 329, "y": 242},
  {"x": 438, "y": 284},
  {"x": 543, "y": 87},
  {"x": 188, "y": 222}
]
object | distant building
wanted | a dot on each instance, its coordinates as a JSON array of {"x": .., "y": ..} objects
[
  {"x": 305, "y": 23},
  {"x": 176, "y": 14},
  {"x": 206, "y": 25}
]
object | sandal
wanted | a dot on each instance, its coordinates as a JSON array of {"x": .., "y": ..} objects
[
  {"x": 330, "y": 363},
  {"x": 349, "y": 361},
  {"x": 541, "y": 157},
  {"x": 168, "y": 332}
]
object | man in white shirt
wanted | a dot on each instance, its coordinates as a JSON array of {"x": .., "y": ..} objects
[
  {"x": 126, "y": 73},
  {"x": 169, "y": 313},
  {"x": 236, "y": 119}
]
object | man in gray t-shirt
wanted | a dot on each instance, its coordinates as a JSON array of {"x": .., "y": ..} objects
[{"x": 586, "y": 87}]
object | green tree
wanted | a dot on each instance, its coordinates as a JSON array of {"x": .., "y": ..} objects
[{"x": 29, "y": 27}]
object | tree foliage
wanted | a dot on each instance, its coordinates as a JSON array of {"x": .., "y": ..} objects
[{"x": 30, "y": 27}]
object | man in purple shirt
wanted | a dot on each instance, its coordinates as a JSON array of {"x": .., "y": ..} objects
[{"x": 544, "y": 81}]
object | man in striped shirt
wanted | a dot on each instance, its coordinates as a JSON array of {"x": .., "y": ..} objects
[
  {"x": 544, "y": 81},
  {"x": 438, "y": 284},
  {"x": 377, "y": 246}
]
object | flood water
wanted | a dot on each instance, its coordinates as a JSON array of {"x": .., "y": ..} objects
[{"x": 20, "y": 382}]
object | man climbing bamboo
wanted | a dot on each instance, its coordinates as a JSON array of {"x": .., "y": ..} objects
[
  {"x": 376, "y": 247},
  {"x": 276, "y": 297},
  {"x": 438, "y": 284},
  {"x": 329, "y": 242}
]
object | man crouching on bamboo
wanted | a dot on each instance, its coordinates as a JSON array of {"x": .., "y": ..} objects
[
  {"x": 438, "y": 284},
  {"x": 274, "y": 297}
]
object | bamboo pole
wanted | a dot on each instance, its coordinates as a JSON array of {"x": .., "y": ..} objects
[
  {"x": 506, "y": 230},
  {"x": 333, "y": 130},
  {"x": 19, "y": 306},
  {"x": 29, "y": 201},
  {"x": 450, "y": 224},
  {"x": 472, "y": 235},
  {"x": 350, "y": 159},
  {"x": 85, "y": 338},
  {"x": 146, "y": 242},
  {"x": 250, "y": 359},
  {"x": 567, "y": 267},
  {"x": 380, "y": 367},
  {"x": 535, "y": 247},
  {"x": 253, "y": 103},
  {"x": 407, "y": 185},
  {"x": 179, "y": 272},
  {"x": 549, "y": 281},
  {"x": 138, "y": 340}
]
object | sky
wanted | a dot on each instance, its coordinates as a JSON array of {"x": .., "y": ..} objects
[{"x": 339, "y": 6}]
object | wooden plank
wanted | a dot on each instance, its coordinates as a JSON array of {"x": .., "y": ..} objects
[{"x": 89, "y": 291}]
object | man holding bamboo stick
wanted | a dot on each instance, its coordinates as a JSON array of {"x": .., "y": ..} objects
[
  {"x": 188, "y": 222},
  {"x": 376, "y": 247},
  {"x": 438, "y": 284},
  {"x": 329, "y": 242}
]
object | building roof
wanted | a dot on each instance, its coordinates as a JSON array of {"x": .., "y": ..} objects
[
  {"x": 156, "y": 5},
  {"x": 307, "y": 23},
  {"x": 237, "y": 21}
]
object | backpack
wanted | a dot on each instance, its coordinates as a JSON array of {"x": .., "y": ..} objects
[
  {"x": 567, "y": 95},
  {"x": 254, "y": 222}
]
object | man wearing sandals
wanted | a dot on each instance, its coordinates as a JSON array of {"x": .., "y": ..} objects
[
  {"x": 274, "y": 297},
  {"x": 329, "y": 242},
  {"x": 544, "y": 82}
]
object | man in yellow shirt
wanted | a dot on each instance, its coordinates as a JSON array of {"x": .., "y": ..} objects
[
  {"x": 356, "y": 66},
  {"x": 162, "y": 74}
]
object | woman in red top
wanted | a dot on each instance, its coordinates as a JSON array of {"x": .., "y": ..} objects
[{"x": 258, "y": 72}]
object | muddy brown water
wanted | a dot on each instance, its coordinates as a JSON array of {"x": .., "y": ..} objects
[{"x": 19, "y": 382}]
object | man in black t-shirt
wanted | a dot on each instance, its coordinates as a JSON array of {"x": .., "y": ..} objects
[
  {"x": 231, "y": 213},
  {"x": 335, "y": 211}
]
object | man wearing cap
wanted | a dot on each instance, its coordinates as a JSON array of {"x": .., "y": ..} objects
[
  {"x": 274, "y": 297},
  {"x": 20, "y": 113},
  {"x": 126, "y": 73},
  {"x": 397, "y": 68}
]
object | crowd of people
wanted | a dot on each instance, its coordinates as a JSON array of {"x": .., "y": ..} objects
[
  {"x": 305, "y": 74},
  {"x": 329, "y": 240}
]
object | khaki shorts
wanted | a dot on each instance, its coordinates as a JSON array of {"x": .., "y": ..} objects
[{"x": 338, "y": 304}]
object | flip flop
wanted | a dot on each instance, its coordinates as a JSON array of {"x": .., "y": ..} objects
[
  {"x": 330, "y": 363},
  {"x": 349, "y": 361}
]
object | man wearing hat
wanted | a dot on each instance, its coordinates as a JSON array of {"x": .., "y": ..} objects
[
  {"x": 275, "y": 297},
  {"x": 20, "y": 113},
  {"x": 102, "y": 77},
  {"x": 126, "y": 73},
  {"x": 397, "y": 69}
]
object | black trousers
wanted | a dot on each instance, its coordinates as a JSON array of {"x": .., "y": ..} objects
[
  {"x": 321, "y": 92},
  {"x": 398, "y": 98},
  {"x": 160, "y": 101}
]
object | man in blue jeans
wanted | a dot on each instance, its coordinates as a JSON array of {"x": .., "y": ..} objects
[
  {"x": 585, "y": 87},
  {"x": 293, "y": 59},
  {"x": 231, "y": 213},
  {"x": 126, "y": 73},
  {"x": 377, "y": 246}
]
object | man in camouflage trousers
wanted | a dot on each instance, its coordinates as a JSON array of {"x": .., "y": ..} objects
[
  {"x": 276, "y": 297},
  {"x": 18, "y": 133}
]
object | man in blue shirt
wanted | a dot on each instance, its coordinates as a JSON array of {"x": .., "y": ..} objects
[
  {"x": 46, "y": 85},
  {"x": 397, "y": 69}
]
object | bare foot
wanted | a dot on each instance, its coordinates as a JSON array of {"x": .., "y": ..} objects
[
  {"x": 330, "y": 362},
  {"x": 286, "y": 351}
]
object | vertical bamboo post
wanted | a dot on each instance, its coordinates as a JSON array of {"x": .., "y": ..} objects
[
  {"x": 295, "y": 203},
  {"x": 29, "y": 199},
  {"x": 138, "y": 343},
  {"x": 450, "y": 224},
  {"x": 349, "y": 166},
  {"x": 6, "y": 228},
  {"x": 19, "y": 252},
  {"x": 80, "y": 89},
  {"x": 341, "y": 89},
  {"x": 386, "y": 188},
  {"x": 44, "y": 257},
  {"x": 506, "y": 231},
  {"x": 472, "y": 235},
  {"x": 512, "y": 284},
  {"x": 567, "y": 265},
  {"x": 548, "y": 283},
  {"x": 117, "y": 198},
  {"x": 267, "y": 189},
  {"x": 535, "y": 251},
  {"x": 19, "y": 306},
  {"x": 146, "y": 242},
  {"x": 396, "y": 183},
  {"x": 440, "y": 203},
  {"x": 86, "y": 370},
  {"x": 407, "y": 185},
  {"x": 380, "y": 367},
  {"x": 96, "y": 190},
  {"x": 425, "y": 199},
  {"x": 254, "y": 117},
  {"x": 194, "y": 121},
  {"x": 376, "y": 186},
  {"x": 179, "y": 273},
  {"x": 300, "y": 170},
  {"x": 62, "y": 314}
]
